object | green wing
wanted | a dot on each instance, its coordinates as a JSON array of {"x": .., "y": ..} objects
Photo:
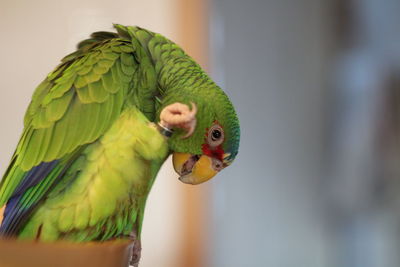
[{"x": 71, "y": 108}]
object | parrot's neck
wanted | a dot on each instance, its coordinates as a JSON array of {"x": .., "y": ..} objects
[
  {"x": 178, "y": 73},
  {"x": 179, "y": 76},
  {"x": 182, "y": 75}
]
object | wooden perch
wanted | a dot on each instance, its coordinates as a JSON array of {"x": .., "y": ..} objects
[{"x": 61, "y": 254}]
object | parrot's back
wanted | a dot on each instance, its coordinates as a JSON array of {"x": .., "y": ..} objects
[{"x": 84, "y": 164}]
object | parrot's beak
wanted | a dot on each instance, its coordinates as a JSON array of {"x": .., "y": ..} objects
[{"x": 195, "y": 169}]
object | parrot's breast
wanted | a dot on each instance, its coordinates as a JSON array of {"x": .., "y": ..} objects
[{"x": 113, "y": 178}]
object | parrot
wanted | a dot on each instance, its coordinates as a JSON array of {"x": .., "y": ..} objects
[{"x": 98, "y": 129}]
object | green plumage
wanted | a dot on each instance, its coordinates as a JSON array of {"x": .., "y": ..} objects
[
  {"x": 111, "y": 180},
  {"x": 89, "y": 141}
]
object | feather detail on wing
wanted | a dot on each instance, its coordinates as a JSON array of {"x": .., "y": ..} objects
[{"x": 71, "y": 108}]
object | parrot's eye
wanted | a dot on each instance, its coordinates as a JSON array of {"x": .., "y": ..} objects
[{"x": 215, "y": 135}]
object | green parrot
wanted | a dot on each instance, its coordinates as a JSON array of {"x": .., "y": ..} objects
[{"x": 98, "y": 129}]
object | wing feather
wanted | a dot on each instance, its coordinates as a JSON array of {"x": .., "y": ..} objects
[{"x": 71, "y": 108}]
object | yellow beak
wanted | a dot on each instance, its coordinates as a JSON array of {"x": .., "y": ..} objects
[{"x": 194, "y": 169}]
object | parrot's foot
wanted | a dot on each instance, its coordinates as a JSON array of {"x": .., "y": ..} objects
[
  {"x": 136, "y": 250},
  {"x": 179, "y": 115}
]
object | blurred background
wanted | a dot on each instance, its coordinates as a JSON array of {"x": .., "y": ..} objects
[{"x": 316, "y": 84}]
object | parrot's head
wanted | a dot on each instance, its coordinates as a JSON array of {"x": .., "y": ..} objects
[{"x": 206, "y": 134}]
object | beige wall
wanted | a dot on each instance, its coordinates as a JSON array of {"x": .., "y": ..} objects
[{"x": 34, "y": 36}]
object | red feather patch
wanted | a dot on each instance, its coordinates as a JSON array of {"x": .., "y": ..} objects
[{"x": 213, "y": 152}]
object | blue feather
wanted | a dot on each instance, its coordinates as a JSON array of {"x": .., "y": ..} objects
[{"x": 14, "y": 214}]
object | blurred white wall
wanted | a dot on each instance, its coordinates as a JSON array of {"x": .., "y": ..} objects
[
  {"x": 271, "y": 58},
  {"x": 35, "y": 35},
  {"x": 316, "y": 86}
]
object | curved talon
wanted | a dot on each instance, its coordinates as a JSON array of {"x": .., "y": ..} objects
[
  {"x": 164, "y": 130},
  {"x": 136, "y": 249}
]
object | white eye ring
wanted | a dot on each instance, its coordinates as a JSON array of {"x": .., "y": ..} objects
[{"x": 215, "y": 135}]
